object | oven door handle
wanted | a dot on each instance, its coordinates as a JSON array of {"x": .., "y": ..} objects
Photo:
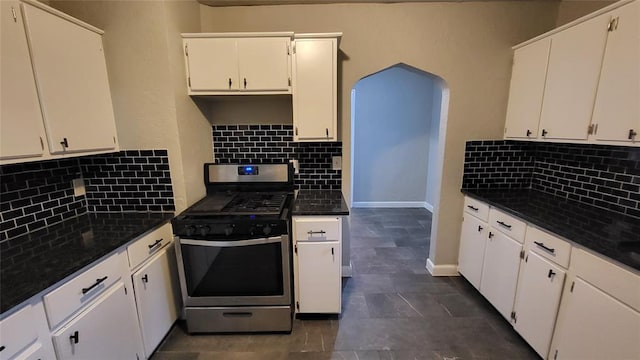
[{"x": 260, "y": 241}]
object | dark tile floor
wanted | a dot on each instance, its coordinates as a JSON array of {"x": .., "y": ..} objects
[{"x": 392, "y": 309}]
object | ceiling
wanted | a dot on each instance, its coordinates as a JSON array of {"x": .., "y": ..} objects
[{"x": 284, "y": 2}]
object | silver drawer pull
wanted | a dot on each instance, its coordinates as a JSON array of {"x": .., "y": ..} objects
[{"x": 311, "y": 232}]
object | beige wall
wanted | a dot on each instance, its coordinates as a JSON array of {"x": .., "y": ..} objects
[
  {"x": 146, "y": 74},
  {"x": 571, "y": 10},
  {"x": 467, "y": 44}
]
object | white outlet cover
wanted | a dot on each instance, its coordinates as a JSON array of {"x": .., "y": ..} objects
[
  {"x": 78, "y": 187},
  {"x": 336, "y": 162}
]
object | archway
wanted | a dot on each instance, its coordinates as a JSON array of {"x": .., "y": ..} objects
[{"x": 398, "y": 125}]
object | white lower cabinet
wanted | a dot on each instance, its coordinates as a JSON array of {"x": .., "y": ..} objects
[
  {"x": 24, "y": 335},
  {"x": 317, "y": 264},
  {"x": 473, "y": 240},
  {"x": 596, "y": 326},
  {"x": 500, "y": 271},
  {"x": 319, "y": 279},
  {"x": 104, "y": 330},
  {"x": 537, "y": 301},
  {"x": 157, "y": 298}
]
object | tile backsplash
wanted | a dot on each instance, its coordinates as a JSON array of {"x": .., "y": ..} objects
[
  {"x": 603, "y": 176},
  {"x": 38, "y": 194},
  {"x": 131, "y": 180},
  {"x": 35, "y": 195},
  {"x": 265, "y": 144}
]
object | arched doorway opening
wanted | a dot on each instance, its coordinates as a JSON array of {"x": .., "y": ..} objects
[{"x": 398, "y": 124}]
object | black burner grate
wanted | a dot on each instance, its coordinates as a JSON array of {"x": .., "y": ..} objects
[{"x": 256, "y": 202}]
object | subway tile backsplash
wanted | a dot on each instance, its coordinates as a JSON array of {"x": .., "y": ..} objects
[
  {"x": 498, "y": 164},
  {"x": 265, "y": 144},
  {"x": 35, "y": 195},
  {"x": 131, "y": 180},
  {"x": 603, "y": 176}
]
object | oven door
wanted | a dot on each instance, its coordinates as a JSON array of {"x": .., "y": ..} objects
[{"x": 235, "y": 272}]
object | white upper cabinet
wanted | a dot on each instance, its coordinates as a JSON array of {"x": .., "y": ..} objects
[
  {"x": 226, "y": 64},
  {"x": 572, "y": 79},
  {"x": 21, "y": 128},
  {"x": 71, "y": 76},
  {"x": 526, "y": 90},
  {"x": 581, "y": 82},
  {"x": 315, "y": 87},
  {"x": 264, "y": 64},
  {"x": 617, "y": 109}
]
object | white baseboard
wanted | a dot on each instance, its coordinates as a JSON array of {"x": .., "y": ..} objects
[
  {"x": 347, "y": 270},
  {"x": 442, "y": 270},
  {"x": 429, "y": 207},
  {"x": 388, "y": 204}
]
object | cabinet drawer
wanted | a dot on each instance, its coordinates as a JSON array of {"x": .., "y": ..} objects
[
  {"x": 70, "y": 297},
  {"x": 18, "y": 331},
  {"x": 507, "y": 224},
  {"x": 476, "y": 208},
  {"x": 549, "y": 246},
  {"x": 148, "y": 245},
  {"x": 317, "y": 228}
]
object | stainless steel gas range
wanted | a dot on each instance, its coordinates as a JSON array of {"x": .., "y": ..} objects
[{"x": 234, "y": 250}]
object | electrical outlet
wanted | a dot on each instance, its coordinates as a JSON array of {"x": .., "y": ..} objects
[
  {"x": 336, "y": 162},
  {"x": 78, "y": 187},
  {"x": 296, "y": 166}
]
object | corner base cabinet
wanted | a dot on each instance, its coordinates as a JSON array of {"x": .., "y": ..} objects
[
  {"x": 318, "y": 264},
  {"x": 599, "y": 315}
]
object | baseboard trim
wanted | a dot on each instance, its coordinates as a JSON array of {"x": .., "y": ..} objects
[
  {"x": 442, "y": 270},
  {"x": 429, "y": 207},
  {"x": 388, "y": 204},
  {"x": 347, "y": 270}
]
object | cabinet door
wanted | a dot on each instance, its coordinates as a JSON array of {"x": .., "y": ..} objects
[
  {"x": 537, "y": 301},
  {"x": 73, "y": 86},
  {"x": 617, "y": 109},
  {"x": 212, "y": 64},
  {"x": 314, "y": 89},
  {"x": 527, "y": 86},
  {"x": 263, "y": 64},
  {"x": 319, "y": 281},
  {"x": 22, "y": 130},
  {"x": 156, "y": 289},
  {"x": 500, "y": 271},
  {"x": 593, "y": 325},
  {"x": 473, "y": 239},
  {"x": 105, "y": 330},
  {"x": 572, "y": 78}
]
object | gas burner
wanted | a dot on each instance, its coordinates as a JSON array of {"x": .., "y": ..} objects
[{"x": 256, "y": 203}]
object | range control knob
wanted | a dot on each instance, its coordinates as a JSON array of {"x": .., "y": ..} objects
[
  {"x": 190, "y": 230},
  {"x": 204, "y": 230},
  {"x": 266, "y": 229},
  {"x": 228, "y": 230}
]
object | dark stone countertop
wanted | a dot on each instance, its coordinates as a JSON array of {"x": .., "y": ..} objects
[
  {"x": 320, "y": 202},
  {"x": 611, "y": 234},
  {"x": 31, "y": 263}
]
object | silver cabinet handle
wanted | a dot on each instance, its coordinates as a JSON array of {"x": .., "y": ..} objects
[{"x": 311, "y": 232}]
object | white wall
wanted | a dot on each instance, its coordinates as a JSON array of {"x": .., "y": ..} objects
[
  {"x": 393, "y": 114},
  {"x": 434, "y": 168}
]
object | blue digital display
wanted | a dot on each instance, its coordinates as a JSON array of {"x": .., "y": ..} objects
[{"x": 247, "y": 170}]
